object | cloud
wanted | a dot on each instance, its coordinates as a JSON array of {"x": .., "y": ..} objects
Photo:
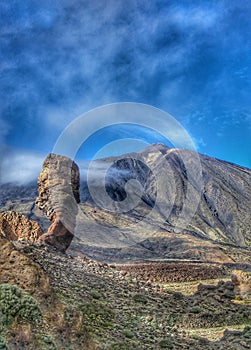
[
  {"x": 62, "y": 58},
  {"x": 95, "y": 61},
  {"x": 195, "y": 17},
  {"x": 96, "y": 170},
  {"x": 20, "y": 167}
]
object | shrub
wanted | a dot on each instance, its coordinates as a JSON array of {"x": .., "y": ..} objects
[
  {"x": 46, "y": 342},
  {"x": 15, "y": 303},
  {"x": 140, "y": 298},
  {"x": 166, "y": 344},
  {"x": 171, "y": 320},
  {"x": 3, "y": 345},
  {"x": 97, "y": 313},
  {"x": 127, "y": 333},
  {"x": 121, "y": 346},
  {"x": 196, "y": 309},
  {"x": 95, "y": 294}
]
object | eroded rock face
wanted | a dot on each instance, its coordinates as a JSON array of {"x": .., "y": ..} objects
[
  {"x": 242, "y": 282},
  {"x": 19, "y": 269},
  {"x": 58, "y": 197},
  {"x": 15, "y": 226}
]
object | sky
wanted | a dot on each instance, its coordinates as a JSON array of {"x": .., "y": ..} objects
[{"x": 62, "y": 58}]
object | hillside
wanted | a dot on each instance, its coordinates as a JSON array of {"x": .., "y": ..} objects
[{"x": 77, "y": 303}]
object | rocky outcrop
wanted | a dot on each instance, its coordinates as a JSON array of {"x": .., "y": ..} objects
[
  {"x": 222, "y": 291},
  {"x": 15, "y": 226},
  {"x": 242, "y": 282},
  {"x": 58, "y": 197},
  {"x": 20, "y": 270}
]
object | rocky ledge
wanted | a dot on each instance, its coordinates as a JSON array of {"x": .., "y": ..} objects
[{"x": 15, "y": 226}]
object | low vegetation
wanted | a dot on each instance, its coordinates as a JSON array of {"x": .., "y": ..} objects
[
  {"x": 16, "y": 304},
  {"x": 95, "y": 307}
]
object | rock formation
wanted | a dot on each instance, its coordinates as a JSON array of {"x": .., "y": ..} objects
[
  {"x": 15, "y": 226},
  {"x": 58, "y": 197},
  {"x": 242, "y": 282},
  {"x": 20, "y": 270}
]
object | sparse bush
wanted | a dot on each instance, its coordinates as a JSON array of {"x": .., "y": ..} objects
[
  {"x": 15, "y": 303},
  {"x": 127, "y": 333},
  {"x": 121, "y": 346},
  {"x": 80, "y": 327},
  {"x": 79, "y": 286},
  {"x": 166, "y": 344},
  {"x": 3, "y": 345},
  {"x": 140, "y": 298},
  {"x": 195, "y": 337},
  {"x": 28, "y": 249},
  {"x": 171, "y": 319},
  {"x": 196, "y": 309},
  {"x": 168, "y": 291},
  {"x": 95, "y": 294},
  {"x": 97, "y": 313},
  {"x": 46, "y": 342}
]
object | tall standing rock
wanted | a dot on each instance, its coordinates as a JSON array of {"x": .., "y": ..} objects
[{"x": 58, "y": 189}]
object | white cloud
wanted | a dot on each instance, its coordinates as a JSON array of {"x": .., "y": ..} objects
[
  {"x": 97, "y": 170},
  {"x": 198, "y": 17},
  {"x": 20, "y": 167}
]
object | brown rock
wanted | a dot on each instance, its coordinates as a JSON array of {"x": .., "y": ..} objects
[
  {"x": 242, "y": 282},
  {"x": 15, "y": 226},
  {"x": 58, "y": 197},
  {"x": 19, "y": 269}
]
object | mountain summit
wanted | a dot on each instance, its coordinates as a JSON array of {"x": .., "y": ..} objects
[{"x": 164, "y": 179}]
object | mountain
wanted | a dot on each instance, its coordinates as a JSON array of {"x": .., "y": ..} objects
[
  {"x": 132, "y": 208},
  {"x": 167, "y": 228}
]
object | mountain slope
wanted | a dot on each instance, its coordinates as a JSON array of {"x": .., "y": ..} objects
[
  {"x": 223, "y": 213},
  {"x": 146, "y": 227},
  {"x": 61, "y": 302}
]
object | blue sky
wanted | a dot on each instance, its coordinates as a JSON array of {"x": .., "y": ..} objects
[{"x": 61, "y": 58}]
